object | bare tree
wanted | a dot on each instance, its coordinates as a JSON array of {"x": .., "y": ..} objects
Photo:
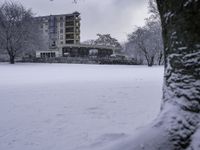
[
  {"x": 16, "y": 29},
  {"x": 156, "y": 41},
  {"x": 132, "y": 51},
  {"x": 147, "y": 41}
]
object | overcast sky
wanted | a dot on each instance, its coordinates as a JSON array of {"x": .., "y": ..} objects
[{"x": 116, "y": 17}]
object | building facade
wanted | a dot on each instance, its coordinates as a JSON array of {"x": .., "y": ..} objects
[
  {"x": 62, "y": 37},
  {"x": 59, "y": 30}
]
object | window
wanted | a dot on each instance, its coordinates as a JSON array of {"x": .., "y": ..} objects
[
  {"x": 53, "y": 54},
  {"x": 61, "y": 30},
  {"x": 69, "y": 41},
  {"x": 61, "y": 42},
  {"x": 54, "y": 43},
  {"x": 61, "y": 24},
  {"x": 61, "y": 37}
]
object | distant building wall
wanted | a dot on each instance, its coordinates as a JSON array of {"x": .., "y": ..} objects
[
  {"x": 59, "y": 30},
  {"x": 47, "y": 54}
]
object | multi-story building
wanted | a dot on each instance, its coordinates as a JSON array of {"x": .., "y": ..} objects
[
  {"x": 62, "y": 36},
  {"x": 58, "y": 31}
]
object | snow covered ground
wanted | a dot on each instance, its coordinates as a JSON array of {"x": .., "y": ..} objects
[{"x": 74, "y": 107}]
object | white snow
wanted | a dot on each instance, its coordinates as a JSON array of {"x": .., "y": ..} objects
[
  {"x": 187, "y": 3},
  {"x": 168, "y": 15},
  {"x": 182, "y": 48},
  {"x": 75, "y": 107}
]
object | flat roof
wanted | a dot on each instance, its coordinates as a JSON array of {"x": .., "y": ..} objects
[
  {"x": 72, "y": 14},
  {"x": 89, "y": 46}
]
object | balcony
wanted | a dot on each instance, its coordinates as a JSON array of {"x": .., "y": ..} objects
[{"x": 69, "y": 30}]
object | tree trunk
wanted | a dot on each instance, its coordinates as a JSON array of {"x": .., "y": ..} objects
[
  {"x": 181, "y": 93},
  {"x": 160, "y": 59},
  {"x": 12, "y": 59},
  {"x": 150, "y": 61}
]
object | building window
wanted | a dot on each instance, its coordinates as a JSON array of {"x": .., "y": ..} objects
[
  {"x": 61, "y": 30},
  {"x": 69, "y": 41},
  {"x": 61, "y": 37},
  {"x": 48, "y": 55},
  {"x": 53, "y": 55},
  {"x": 53, "y": 43},
  {"x": 61, "y": 42},
  {"x": 61, "y": 24}
]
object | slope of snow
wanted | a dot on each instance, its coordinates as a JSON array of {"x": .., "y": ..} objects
[{"x": 72, "y": 107}]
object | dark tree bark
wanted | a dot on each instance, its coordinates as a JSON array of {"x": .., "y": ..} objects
[
  {"x": 181, "y": 95},
  {"x": 160, "y": 59},
  {"x": 12, "y": 59}
]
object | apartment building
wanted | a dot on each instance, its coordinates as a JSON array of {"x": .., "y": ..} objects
[
  {"x": 58, "y": 31},
  {"x": 62, "y": 36}
]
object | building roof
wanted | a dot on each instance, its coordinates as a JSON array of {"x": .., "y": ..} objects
[{"x": 72, "y": 14}]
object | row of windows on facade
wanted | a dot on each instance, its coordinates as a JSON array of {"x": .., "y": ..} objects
[
  {"x": 66, "y": 42},
  {"x": 61, "y": 18},
  {"x": 44, "y": 55},
  {"x": 69, "y": 36},
  {"x": 61, "y": 24},
  {"x": 62, "y": 31}
]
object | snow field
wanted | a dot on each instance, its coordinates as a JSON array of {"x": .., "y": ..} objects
[{"x": 72, "y": 107}]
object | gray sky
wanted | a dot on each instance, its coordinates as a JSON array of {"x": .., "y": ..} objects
[{"x": 117, "y": 17}]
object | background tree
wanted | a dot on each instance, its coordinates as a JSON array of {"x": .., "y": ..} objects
[
  {"x": 89, "y": 42},
  {"x": 153, "y": 10},
  {"x": 145, "y": 44},
  {"x": 156, "y": 42},
  {"x": 105, "y": 40},
  {"x": 17, "y": 29}
]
